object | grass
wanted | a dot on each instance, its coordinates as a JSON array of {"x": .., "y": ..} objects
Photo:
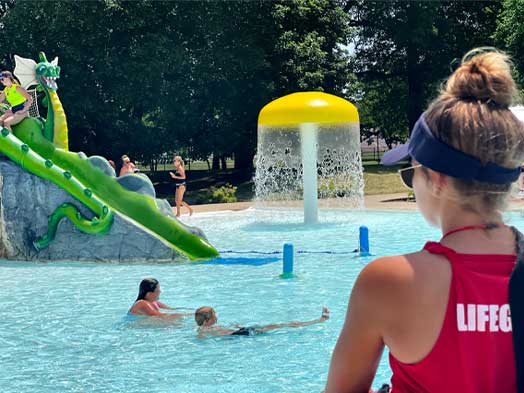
[{"x": 377, "y": 180}]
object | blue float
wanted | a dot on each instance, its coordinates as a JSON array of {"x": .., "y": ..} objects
[
  {"x": 287, "y": 267},
  {"x": 363, "y": 241}
]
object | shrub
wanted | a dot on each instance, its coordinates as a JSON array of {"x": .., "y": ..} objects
[{"x": 224, "y": 194}]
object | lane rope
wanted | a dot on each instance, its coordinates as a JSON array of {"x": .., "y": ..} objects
[{"x": 280, "y": 252}]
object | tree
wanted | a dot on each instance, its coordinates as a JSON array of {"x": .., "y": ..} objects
[
  {"x": 310, "y": 51},
  {"x": 510, "y": 34},
  {"x": 109, "y": 81},
  {"x": 153, "y": 77},
  {"x": 405, "y": 50}
]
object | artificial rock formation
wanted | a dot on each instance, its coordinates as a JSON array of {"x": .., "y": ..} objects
[{"x": 26, "y": 201}]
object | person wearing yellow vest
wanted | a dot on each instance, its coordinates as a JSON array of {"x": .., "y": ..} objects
[{"x": 17, "y": 97}]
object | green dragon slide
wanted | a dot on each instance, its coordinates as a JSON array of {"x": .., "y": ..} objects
[{"x": 41, "y": 147}]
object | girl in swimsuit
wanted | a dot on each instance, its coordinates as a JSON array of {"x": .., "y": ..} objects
[
  {"x": 147, "y": 302},
  {"x": 180, "y": 184},
  {"x": 17, "y": 97}
]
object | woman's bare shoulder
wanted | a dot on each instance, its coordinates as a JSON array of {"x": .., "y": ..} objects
[
  {"x": 139, "y": 306},
  {"x": 396, "y": 278},
  {"x": 391, "y": 268}
]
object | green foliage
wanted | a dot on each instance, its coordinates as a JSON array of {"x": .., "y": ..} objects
[
  {"x": 308, "y": 50},
  {"x": 223, "y": 194},
  {"x": 404, "y": 50},
  {"x": 510, "y": 33},
  {"x": 153, "y": 77},
  {"x": 150, "y": 77}
]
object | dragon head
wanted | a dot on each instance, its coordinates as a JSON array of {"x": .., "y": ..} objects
[
  {"x": 47, "y": 73},
  {"x": 44, "y": 73}
]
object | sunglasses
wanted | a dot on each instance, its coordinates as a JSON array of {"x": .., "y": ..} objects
[{"x": 406, "y": 175}]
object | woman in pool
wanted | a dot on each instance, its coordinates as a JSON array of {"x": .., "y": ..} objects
[
  {"x": 180, "y": 185},
  {"x": 147, "y": 303},
  {"x": 17, "y": 97},
  {"x": 443, "y": 312}
]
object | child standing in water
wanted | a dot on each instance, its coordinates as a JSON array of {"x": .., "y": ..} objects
[
  {"x": 180, "y": 185},
  {"x": 17, "y": 97},
  {"x": 444, "y": 312}
]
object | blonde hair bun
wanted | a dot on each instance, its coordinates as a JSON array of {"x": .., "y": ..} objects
[{"x": 483, "y": 76}]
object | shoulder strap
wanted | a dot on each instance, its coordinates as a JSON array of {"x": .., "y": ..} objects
[{"x": 516, "y": 305}]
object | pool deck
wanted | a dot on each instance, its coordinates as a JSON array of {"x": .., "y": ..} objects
[{"x": 374, "y": 202}]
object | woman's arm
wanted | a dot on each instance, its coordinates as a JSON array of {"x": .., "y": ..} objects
[
  {"x": 163, "y": 305},
  {"x": 145, "y": 308},
  {"x": 360, "y": 345},
  {"x": 174, "y": 176},
  {"x": 296, "y": 324}
]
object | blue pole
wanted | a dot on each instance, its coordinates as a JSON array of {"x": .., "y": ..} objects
[
  {"x": 287, "y": 267},
  {"x": 363, "y": 241}
]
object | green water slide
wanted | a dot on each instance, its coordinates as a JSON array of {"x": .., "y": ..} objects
[{"x": 33, "y": 146}]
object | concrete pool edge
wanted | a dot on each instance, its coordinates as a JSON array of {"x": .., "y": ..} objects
[
  {"x": 384, "y": 202},
  {"x": 372, "y": 202}
]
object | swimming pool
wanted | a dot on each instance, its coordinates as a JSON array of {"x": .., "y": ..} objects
[{"x": 63, "y": 329}]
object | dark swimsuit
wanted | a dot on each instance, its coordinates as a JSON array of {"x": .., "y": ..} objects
[
  {"x": 179, "y": 182},
  {"x": 18, "y": 107},
  {"x": 245, "y": 331}
]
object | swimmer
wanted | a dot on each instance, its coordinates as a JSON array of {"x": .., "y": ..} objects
[
  {"x": 206, "y": 319},
  {"x": 147, "y": 303}
]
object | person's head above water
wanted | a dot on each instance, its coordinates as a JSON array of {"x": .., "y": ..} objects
[
  {"x": 470, "y": 135},
  {"x": 205, "y": 316},
  {"x": 149, "y": 289}
]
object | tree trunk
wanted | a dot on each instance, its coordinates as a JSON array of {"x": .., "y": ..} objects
[
  {"x": 223, "y": 162},
  {"x": 216, "y": 162},
  {"x": 415, "y": 70},
  {"x": 244, "y": 158}
]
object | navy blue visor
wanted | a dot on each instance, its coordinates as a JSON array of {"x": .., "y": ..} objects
[{"x": 438, "y": 156}]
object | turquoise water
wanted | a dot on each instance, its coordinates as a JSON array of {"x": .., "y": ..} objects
[{"x": 63, "y": 325}]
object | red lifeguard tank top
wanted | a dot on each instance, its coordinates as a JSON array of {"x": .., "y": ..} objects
[{"x": 474, "y": 351}]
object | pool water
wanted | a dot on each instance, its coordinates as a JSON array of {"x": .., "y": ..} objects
[{"x": 63, "y": 326}]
